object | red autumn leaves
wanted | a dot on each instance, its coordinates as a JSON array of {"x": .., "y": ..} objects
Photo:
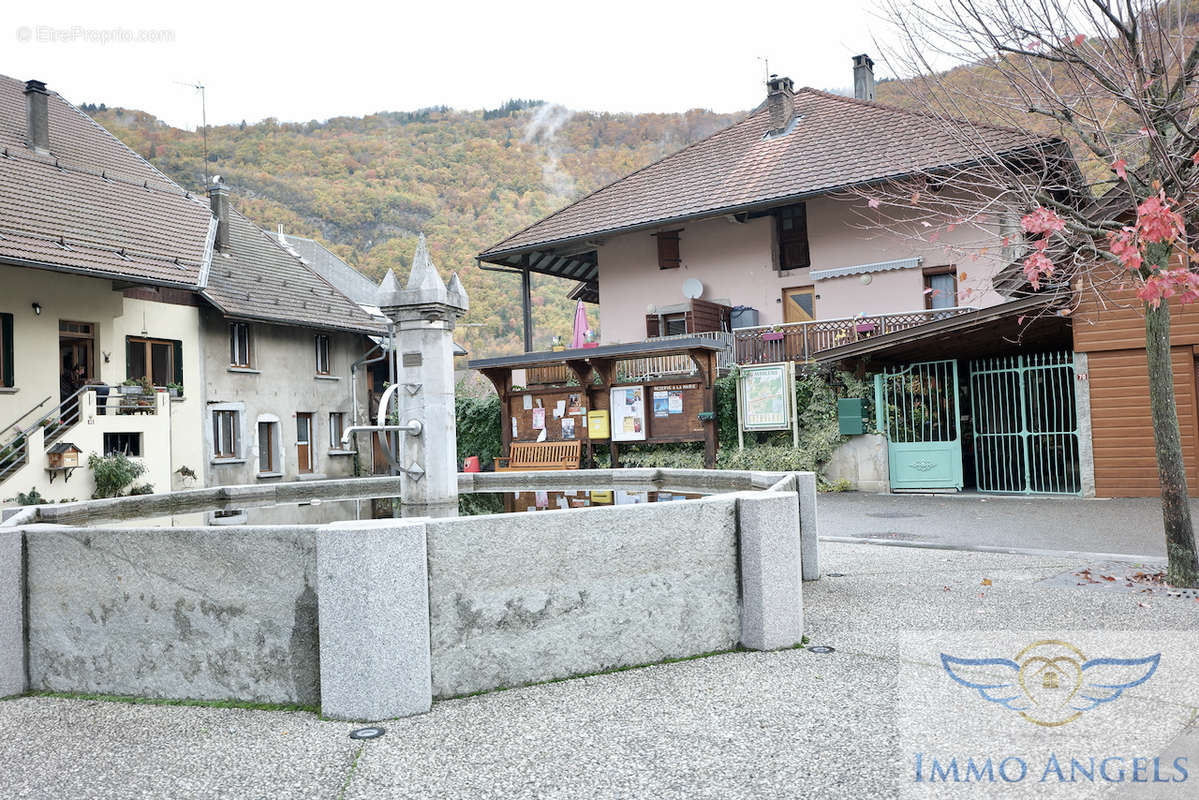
[{"x": 1157, "y": 223}]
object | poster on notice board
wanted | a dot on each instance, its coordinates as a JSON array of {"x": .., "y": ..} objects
[{"x": 627, "y": 406}]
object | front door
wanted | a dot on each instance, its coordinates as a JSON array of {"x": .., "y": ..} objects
[
  {"x": 304, "y": 442},
  {"x": 76, "y": 349},
  {"x": 917, "y": 408},
  {"x": 799, "y": 304}
]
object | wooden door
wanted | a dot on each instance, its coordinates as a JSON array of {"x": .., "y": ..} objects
[
  {"x": 304, "y": 442},
  {"x": 799, "y": 304}
]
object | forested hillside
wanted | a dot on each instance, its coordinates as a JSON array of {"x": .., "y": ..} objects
[{"x": 366, "y": 186}]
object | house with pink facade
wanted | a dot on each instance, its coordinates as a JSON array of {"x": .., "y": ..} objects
[{"x": 767, "y": 227}]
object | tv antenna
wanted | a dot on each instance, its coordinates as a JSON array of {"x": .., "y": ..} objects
[
  {"x": 766, "y": 63},
  {"x": 199, "y": 87}
]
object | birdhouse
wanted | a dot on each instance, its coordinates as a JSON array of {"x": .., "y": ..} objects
[{"x": 63, "y": 455}]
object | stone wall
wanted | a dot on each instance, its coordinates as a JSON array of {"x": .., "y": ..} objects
[
  {"x": 862, "y": 461},
  {"x": 209, "y": 613},
  {"x": 522, "y": 598}
]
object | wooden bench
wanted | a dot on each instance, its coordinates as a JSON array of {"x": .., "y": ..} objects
[{"x": 530, "y": 456}]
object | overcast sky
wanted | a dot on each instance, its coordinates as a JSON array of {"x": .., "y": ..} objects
[{"x": 353, "y": 58}]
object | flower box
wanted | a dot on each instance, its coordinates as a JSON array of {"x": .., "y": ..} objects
[{"x": 774, "y": 336}]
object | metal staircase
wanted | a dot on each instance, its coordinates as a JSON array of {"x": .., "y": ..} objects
[{"x": 14, "y": 438}]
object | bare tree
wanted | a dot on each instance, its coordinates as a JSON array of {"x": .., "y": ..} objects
[{"x": 1092, "y": 192}]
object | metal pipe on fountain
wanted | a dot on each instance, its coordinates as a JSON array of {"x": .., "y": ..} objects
[{"x": 413, "y": 427}]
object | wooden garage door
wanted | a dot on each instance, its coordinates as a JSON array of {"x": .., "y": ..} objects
[{"x": 1122, "y": 432}]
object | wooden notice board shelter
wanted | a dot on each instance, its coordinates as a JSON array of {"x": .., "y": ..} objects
[{"x": 676, "y": 401}]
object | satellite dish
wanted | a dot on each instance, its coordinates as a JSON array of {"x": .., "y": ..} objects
[{"x": 692, "y": 289}]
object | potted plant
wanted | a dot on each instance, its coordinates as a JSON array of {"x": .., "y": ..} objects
[
  {"x": 131, "y": 386},
  {"x": 175, "y": 389},
  {"x": 556, "y": 344},
  {"x": 775, "y": 334},
  {"x": 591, "y": 338}
]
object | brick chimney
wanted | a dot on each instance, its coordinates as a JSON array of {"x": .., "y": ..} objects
[
  {"x": 780, "y": 97},
  {"x": 863, "y": 77},
  {"x": 37, "y": 116},
  {"x": 218, "y": 196}
]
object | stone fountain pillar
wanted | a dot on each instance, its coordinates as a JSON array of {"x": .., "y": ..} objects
[{"x": 424, "y": 313}]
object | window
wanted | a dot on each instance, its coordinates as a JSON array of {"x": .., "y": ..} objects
[
  {"x": 304, "y": 442},
  {"x": 668, "y": 250},
  {"x": 337, "y": 426},
  {"x": 6, "y": 349},
  {"x": 226, "y": 434},
  {"x": 159, "y": 360},
  {"x": 128, "y": 443},
  {"x": 674, "y": 324},
  {"x": 941, "y": 287},
  {"x": 268, "y": 448},
  {"x": 792, "y": 224},
  {"x": 239, "y": 344},
  {"x": 322, "y": 355}
]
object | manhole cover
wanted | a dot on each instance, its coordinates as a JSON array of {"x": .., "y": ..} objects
[
  {"x": 892, "y": 515},
  {"x": 821, "y": 648},
  {"x": 367, "y": 733}
]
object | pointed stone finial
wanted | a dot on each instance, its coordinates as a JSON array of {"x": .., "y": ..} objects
[
  {"x": 388, "y": 292},
  {"x": 424, "y": 277},
  {"x": 457, "y": 294}
]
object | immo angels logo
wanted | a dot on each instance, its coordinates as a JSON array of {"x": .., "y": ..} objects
[{"x": 1050, "y": 682}]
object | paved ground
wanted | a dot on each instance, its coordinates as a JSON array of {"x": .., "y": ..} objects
[
  {"x": 1129, "y": 525},
  {"x": 753, "y": 725}
]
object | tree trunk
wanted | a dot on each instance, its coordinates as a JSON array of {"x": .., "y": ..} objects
[{"x": 1176, "y": 510}]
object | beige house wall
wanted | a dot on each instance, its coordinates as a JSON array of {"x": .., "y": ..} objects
[
  {"x": 735, "y": 262},
  {"x": 167, "y": 444}
]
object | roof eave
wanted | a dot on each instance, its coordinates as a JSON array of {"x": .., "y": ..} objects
[
  {"x": 97, "y": 274},
  {"x": 491, "y": 256}
]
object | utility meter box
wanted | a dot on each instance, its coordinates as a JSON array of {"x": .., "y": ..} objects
[
  {"x": 850, "y": 416},
  {"x": 597, "y": 424}
]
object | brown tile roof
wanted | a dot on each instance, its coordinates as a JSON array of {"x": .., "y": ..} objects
[
  {"x": 93, "y": 205},
  {"x": 258, "y": 279},
  {"x": 837, "y": 142}
]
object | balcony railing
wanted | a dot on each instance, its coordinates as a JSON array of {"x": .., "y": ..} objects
[
  {"x": 630, "y": 370},
  {"x": 801, "y": 341}
]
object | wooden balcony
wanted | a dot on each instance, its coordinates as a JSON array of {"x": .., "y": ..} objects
[{"x": 802, "y": 341}]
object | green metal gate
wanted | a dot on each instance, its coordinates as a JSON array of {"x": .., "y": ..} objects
[
  {"x": 917, "y": 408},
  {"x": 1025, "y": 424}
]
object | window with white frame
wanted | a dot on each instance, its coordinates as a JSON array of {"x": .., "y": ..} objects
[
  {"x": 239, "y": 344},
  {"x": 322, "y": 354},
  {"x": 226, "y": 433},
  {"x": 337, "y": 427},
  {"x": 270, "y": 446}
]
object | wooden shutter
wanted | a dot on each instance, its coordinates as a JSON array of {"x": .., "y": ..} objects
[
  {"x": 653, "y": 328},
  {"x": 792, "y": 222},
  {"x": 129, "y": 345},
  {"x": 668, "y": 250},
  {"x": 6, "y": 341},
  {"x": 177, "y": 349}
]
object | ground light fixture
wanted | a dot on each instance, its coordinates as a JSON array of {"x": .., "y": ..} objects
[
  {"x": 367, "y": 733},
  {"x": 822, "y": 649}
]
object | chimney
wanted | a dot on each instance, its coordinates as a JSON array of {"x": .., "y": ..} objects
[
  {"x": 780, "y": 97},
  {"x": 37, "y": 116},
  {"x": 218, "y": 196},
  {"x": 863, "y": 77}
]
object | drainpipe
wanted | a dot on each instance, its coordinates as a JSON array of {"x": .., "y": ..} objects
[{"x": 388, "y": 346}]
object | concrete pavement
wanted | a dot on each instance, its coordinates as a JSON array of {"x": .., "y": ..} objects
[
  {"x": 1124, "y": 525},
  {"x": 761, "y": 725}
]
